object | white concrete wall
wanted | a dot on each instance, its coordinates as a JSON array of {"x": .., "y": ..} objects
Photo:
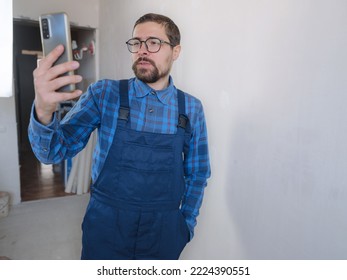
[
  {"x": 9, "y": 161},
  {"x": 272, "y": 77},
  {"x": 81, "y": 12}
]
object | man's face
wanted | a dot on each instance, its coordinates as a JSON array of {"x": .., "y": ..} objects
[{"x": 153, "y": 67}]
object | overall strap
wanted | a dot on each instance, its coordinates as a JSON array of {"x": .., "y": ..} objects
[
  {"x": 183, "y": 121},
  {"x": 124, "y": 108}
]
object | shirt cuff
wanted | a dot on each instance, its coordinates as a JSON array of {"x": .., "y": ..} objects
[{"x": 38, "y": 127}]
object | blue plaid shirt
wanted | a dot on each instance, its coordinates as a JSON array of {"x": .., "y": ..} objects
[{"x": 151, "y": 111}]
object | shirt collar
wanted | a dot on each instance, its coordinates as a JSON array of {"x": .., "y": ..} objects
[{"x": 164, "y": 96}]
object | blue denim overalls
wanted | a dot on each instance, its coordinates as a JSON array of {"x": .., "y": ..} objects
[{"x": 134, "y": 209}]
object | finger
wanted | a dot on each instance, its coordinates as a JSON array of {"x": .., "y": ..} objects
[
  {"x": 46, "y": 86},
  {"x": 57, "y": 83},
  {"x": 57, "y": 97},
  {"x": 47, "y": 62},
  {"x": 65, "y": 96},
  {"x": 61, "y": 69}
]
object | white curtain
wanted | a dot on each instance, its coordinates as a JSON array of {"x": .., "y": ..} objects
[{"x": 80, "y": 175}]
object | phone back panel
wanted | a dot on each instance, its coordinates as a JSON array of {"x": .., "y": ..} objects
[{"x": 55, "y": 30}]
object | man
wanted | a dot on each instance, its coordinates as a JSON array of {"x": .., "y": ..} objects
[{"x": 151, "y": 161}]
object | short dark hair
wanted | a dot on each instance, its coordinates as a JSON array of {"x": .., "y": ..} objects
[{"x": 171, "y": 29}]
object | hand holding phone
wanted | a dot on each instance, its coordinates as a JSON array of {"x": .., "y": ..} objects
[{"x": 48, "y": 79}]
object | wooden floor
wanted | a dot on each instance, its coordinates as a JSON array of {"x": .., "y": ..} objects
[{"x": 39, "y": 181}]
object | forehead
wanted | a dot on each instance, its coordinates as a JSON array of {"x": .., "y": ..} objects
[{"x": 149, "y": 29}]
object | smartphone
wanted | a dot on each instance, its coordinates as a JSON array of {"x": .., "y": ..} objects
[{"x": 55, "y": 30}]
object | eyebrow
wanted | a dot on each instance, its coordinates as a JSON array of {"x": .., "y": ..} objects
[{"x": 150, "y": 37}]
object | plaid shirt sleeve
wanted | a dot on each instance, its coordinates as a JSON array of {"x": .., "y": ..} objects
[
  {"x": 60, "y": 140},
  {"x": 196, "y": 164}
]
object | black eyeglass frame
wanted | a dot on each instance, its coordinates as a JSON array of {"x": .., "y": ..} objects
[{"x": 145, "y": 42}]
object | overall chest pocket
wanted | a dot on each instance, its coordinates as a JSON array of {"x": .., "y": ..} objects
[
  {"x": 146, "y": 172},
  {"x": 147, "y": 157}
]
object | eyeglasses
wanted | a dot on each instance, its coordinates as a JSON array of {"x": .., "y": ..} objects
[{"x": 152, "y": 44}]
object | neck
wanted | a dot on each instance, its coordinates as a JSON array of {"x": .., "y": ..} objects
[{"x": 161, "y": 84}]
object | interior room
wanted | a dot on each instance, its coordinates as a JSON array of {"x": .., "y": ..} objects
[{"x": 271, "y": 76}]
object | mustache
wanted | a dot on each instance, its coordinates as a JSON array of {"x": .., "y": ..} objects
[{"x": 144, "y": 59}]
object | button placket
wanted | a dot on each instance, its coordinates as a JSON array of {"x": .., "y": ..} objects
[{"x": 151, "y": 110}]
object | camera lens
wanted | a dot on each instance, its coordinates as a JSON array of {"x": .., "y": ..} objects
[{"x": 45, "y": 28}]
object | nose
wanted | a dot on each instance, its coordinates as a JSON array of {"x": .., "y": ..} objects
[{"x": 143, "y": 48}]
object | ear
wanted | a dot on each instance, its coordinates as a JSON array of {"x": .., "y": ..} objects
[{"x": 176, "y": 52}]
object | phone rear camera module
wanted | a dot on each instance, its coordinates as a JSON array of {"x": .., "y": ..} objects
[{"x": 45, "y": 28}]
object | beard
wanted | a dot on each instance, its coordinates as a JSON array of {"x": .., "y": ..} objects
[{"x": 148, "y": 76}]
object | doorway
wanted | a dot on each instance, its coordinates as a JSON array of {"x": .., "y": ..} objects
[{"x": 38, "y": 181}]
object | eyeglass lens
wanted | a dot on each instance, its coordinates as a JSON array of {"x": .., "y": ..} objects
[{"x": 152, "y": 45}]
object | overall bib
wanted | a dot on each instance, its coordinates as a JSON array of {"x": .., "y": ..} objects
[{"x": 134, "y": 209}]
